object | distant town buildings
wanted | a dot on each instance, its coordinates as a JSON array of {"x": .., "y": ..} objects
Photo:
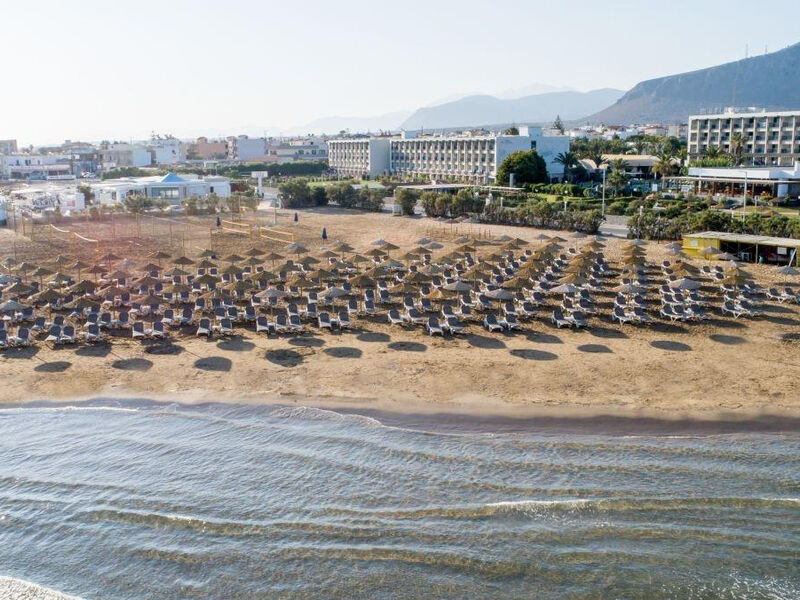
[
  {"x": 458, "y": 157},
  {"x": 246, "y": 149},
  {"x": 764, "y": 138},
  {"x": 8, "y": 146}
]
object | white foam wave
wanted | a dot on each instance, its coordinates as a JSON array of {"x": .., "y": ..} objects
[
  {"x": 19, "y": 589},
  {"x": 67, "y": 408},
  {"x": 309, "y": 413},
  {"x": 536, "y": 503}
]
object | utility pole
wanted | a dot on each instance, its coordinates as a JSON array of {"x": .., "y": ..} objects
[
  {"x": 603, "y": 210},
  {"x": 744, "y": 205}
]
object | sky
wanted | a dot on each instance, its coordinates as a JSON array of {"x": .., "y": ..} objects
[{"x": 118, "y": 70}]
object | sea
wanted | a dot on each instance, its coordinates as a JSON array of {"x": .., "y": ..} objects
[{"x": 132, "y": 499}]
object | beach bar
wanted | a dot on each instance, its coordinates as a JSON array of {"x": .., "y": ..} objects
[{"x": 746, "y": 247}]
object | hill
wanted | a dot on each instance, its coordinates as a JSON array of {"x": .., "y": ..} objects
[
  {"x": 483, "y": 110},
  {"x": 768, "y": 81}
]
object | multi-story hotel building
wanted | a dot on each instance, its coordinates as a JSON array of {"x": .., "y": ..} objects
[
  {"x": 359, "y": 157},
  {"x": 459, "y": 157},
  {"x": 768, "y": 138}
]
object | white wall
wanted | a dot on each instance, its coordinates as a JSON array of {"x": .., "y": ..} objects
[{"x": 379, "y": 155}]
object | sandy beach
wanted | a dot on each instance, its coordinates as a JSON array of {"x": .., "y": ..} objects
[{"x": 670, "y": 370}]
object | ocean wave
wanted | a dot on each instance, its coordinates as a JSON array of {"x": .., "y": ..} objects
[
  {"x": 310, "y": 413},
  {"x": 537, "y": 506},
  {"x": 66, "y": 408},
  {"x": 19, "y": 589}
]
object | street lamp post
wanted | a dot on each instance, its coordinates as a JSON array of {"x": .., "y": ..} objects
[{"x": 603, "y": 210}]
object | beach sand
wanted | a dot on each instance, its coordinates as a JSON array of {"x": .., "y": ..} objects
[{"x": 724, "y": 366}]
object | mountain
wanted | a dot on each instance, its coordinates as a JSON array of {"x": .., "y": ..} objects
[
  {"x": 478, "y": 110},
  {"x": 767, "y": 81},
  {"x": 353, "y": 124},
  {"x": 531, "y": 90}
]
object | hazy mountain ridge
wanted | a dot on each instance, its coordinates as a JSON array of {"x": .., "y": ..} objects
[
  {"x": 767, "y": 81},
  {"x": 484, "y": 109}
]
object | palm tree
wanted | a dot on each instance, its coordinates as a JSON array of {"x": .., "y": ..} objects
[
  {"x": 596, "y": 157},
  {"x": 664, "y": 165},
  {"x": 737, "y": 148},
  {"x": 617, "y": 178},
  {"x": 713, "y": 152},
  {"x": 569, "y": 160}
]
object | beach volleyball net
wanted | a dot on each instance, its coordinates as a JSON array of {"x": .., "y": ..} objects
[
  {"x": 236, "y": 228},
  {"x": 276, "y": 235},
  {"x": 71, "y": 238}
]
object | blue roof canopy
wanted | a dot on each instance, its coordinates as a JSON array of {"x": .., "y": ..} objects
[{"x": 172, "y": 178}]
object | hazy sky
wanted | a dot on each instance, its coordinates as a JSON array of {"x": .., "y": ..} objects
[{"x": 102, "y": 69}]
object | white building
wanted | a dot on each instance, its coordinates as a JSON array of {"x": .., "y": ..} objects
[
  {"x": 458, "y": 157},
  {"x": 172, "y": 188},
  {"x": 246, "y": 148},
  {"x": 292, "y": 150},
  {"x": 119, "y": 154},
  {"x": 360, "y": 157},
  {"x": 49, "y": 196},
  {"x": 36, "y": 167},
  {"x": 768, "y": 138},
  {"x": 779, "y": 182},
  {"x": 166, "y": 150}
]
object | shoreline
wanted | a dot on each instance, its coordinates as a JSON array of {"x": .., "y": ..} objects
[{"x": 490, "y": 417}]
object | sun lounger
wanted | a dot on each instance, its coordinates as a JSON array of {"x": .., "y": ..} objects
[
  {"x": 38, "y": 325},
  {"x": 138, "y": 330},
  {"x": 774, "y": 294},
  {"x": 527, "y": 310},
  {"x": 311, "y": 312},
  {"x": 159, "y": 330},
  {"x": 369, "y": 307},
  {"x": 490, "y": 322},
  {"x": 453, "y": 325},
  {"x": 263, "y": 325},
  {"x": 465, "y": 312},
  {"x": 22, "y": 339},
  {"x": 295, "y": 325},
  {"x": 667, "y": 313},
  {"x": 225, "y": 326},
  {"x": 204, "y": 327},
  {"x": 426, "y": 305},
  {"x": 3, "y": 339},
  {"x": 395, "y": 318},
  {"x": 92, "y": 333},
  {"x": 344, "y": 320},
  {"x": 415, "y": 317},
  {"x": 53, "y": 335},
  {"x": 510, "y": 309},
  {"x": 324, "y": 321},
  {"x": 433, "y": 326},
  {"x": 579, "y": 319},
  {"x": 619, "y": 314},
  {"x": 729, "y": 308},
  {"x": 68, "y": 335},
  {"x": 641, "y": 317},
  {"x": 510, "y": 322},
  {"x": 168, "y": 318},
  {"x": 560, "y": 320}
]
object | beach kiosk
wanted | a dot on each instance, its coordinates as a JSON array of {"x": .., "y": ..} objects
[{"x": 746, "y": 247}]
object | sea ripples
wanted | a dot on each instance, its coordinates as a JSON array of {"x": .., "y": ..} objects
[{"x": 139, "y": 498}]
